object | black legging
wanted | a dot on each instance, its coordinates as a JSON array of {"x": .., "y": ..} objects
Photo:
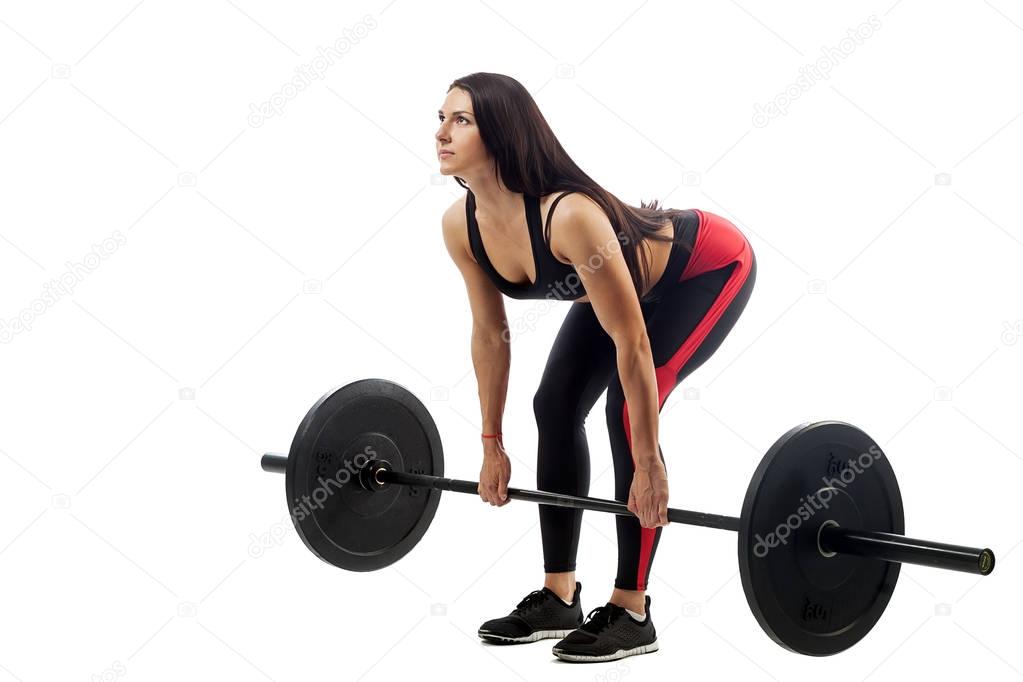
[{"x": 694, "y": 312}]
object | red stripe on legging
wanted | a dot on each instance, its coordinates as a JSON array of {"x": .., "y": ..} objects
[{"x": 718, "y": 243}]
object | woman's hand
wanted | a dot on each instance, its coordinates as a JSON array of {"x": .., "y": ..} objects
[
  {"x": 494, "y": 476},
  {"x": 648, "y": 495}
]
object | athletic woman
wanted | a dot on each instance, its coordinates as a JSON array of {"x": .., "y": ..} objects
[{"x": 653, "y": 293}]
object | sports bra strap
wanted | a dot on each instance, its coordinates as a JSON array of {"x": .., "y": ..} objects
[{"x": 550, "y": 212}]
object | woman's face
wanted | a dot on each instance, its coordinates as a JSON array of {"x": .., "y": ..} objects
[{"x": 458, "y": 134}]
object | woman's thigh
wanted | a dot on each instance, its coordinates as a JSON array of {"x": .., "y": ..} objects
[
  {"x": 686, "y": 327},
  {"x": 694, "y": 317}
]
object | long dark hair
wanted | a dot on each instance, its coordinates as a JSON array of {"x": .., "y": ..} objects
[{"x": 530, "y": 160}]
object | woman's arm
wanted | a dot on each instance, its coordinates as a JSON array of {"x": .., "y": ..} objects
[
  {"x": 586, "y": 238},
  {"x": 491, "y": 354}
]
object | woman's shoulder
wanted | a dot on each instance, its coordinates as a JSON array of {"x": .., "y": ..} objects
[
  {"x": 456, "y": 211},
  {"x": 455, "y": 225},
  {"x": 572, "y": 208},
  {"x": 568, "y": 201}
]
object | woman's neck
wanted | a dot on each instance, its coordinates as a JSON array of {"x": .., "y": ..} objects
[{"x": 495, "y": 202}]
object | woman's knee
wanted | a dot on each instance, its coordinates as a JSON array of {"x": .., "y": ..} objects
[{"x": 553, "y": 405}]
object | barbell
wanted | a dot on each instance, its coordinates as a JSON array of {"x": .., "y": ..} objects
[{"x": 820, "y": 534}]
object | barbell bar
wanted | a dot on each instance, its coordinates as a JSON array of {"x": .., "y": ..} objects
[{"x": 832, "y": 538}]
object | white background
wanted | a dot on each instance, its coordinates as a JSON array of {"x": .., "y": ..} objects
[{"x": 250, "y": 268}]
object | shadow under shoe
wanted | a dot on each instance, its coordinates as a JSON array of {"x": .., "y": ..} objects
[
  {"x": 539, "y": 615},
  {"x": 609, "y": 633}
]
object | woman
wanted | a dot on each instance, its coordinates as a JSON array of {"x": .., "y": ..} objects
[{"x": 654, "y": 293}]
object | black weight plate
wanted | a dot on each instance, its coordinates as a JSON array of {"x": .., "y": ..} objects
[
  {"x": 340, "y": 521},
  {"x": 817, "y": 473}
]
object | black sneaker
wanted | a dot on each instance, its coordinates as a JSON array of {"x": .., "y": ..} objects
[
  {"x": 540, "y": 615},
  {"x": 609, "y": 633}
]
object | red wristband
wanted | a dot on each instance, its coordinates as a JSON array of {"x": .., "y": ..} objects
[{"x": 491, "y": 435}]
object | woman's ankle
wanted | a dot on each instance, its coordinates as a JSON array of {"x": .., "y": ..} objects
[
  {"x": 634, "y": 600},
  {"x": 561, "y": 584}
]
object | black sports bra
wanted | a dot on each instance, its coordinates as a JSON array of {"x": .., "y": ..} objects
[{"x": 554, "y": 279}]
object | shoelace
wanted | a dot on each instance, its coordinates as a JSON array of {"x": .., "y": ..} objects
[
  {"x": 600, "y": 618},
  {"x": 530, "y": 600}
]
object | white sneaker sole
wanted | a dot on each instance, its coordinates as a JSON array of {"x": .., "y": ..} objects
[
  {"x": 533, "y": 637},
  {"x": 621, "y": 653}
]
